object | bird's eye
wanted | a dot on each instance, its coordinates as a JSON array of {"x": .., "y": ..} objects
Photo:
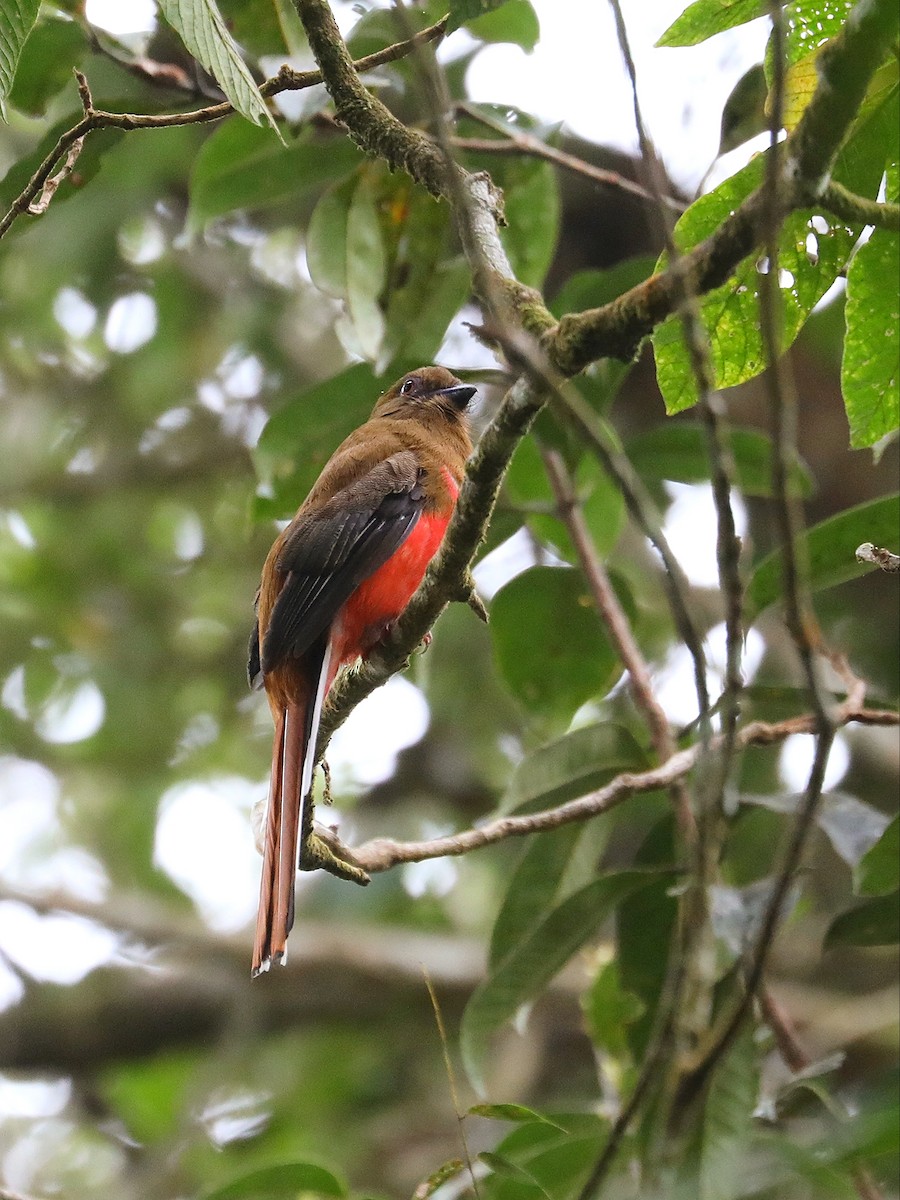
[{"x": 409, "y": 386}]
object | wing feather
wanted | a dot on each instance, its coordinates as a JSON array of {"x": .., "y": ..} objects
[{"x": 333, "y": 548}]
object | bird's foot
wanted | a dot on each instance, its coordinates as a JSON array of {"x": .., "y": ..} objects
[{"x": 424, "y": 644}]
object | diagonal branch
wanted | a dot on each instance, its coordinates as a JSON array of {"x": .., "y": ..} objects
[{"x": 614, "y": 330}]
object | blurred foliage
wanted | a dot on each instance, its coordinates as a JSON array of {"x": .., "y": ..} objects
[{"x": 189, "y": 329}]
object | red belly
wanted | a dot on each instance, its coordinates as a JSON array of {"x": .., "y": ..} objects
[{"x": 380, "y": 599}]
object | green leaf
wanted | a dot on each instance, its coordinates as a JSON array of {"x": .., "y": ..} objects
[
  {"x": 201, "y": 27},
  {"x": 149, "y": 1096},
  {"x": 517, "y": 1113},
  {"x": 860, "y": 163},
  {"x": 515, "y": 21},
  {"x": 550, "y": 647},
  {"x": 870, "y": 374},
  {"x": 326, "y": 239},
  {"x": 875, "y": 922},
  {"x": 421, "y": 338},
  {"x": 45, "y": 67},
  {"x": 728, "y": 1119},
  {"x": 451, "y": 286},
  {"x": 536, "y": 959},
  {"x": 425, "y": 287},
  {"x": 240, "y": 167},
  {"x": 679, "y": 451},
  {"x": 366, "y": 268},
  {"x": 462, "y": 11},
  {"x": 829, "y": 551},
  {"x": 571, "y": 766},
  {"x": 299, "y": 439},
  {"x": 290, "y": 1179},
  {"x": 510, "y": 1170},
  {"x": 744, "y": 113},
  {"x": 704, "y": 18},
  {"x": 17, "y": 18},
  {"x": 532, "y": 889},
  {"x": 810, "y": 25},
  {"x": 644, "y": 924},
  {"x": 557, "y": 1162},
  {"x": 531, "y": 199},
  {"x": 593, "y": 288},
  {"x": 878, "y": 871},
  {"x": 812, "y": 250},
  {"x": 609, "y": 1009}
]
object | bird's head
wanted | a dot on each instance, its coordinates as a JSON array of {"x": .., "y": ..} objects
[{"x": 424, "y": 392}]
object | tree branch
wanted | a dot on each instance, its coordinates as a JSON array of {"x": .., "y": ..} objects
[
  {"x": 845, "y": 68},
  {"x": 619, "y": 629},
  {"x": 857, "y": 210},
  {"x": 286, "y": 80},
  {"x": 515, "y": 141},
  {"x": 381, "y": 854}
]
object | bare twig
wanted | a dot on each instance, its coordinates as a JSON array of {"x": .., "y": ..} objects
[
  {"x": 516, "y": 141},
  {"x": 285, "y": 80},
  {"x": 724, "y": 1034},
  {"x": 573, "y": 411},
  {"x": 381, "y": 854},
  {"x": 451, "y": 1076},
  {"x": 618, "y": 627},
  {"x": 798, "y": 613}
]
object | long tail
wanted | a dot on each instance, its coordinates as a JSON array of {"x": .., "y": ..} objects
[{"x": 293, "y": 763}]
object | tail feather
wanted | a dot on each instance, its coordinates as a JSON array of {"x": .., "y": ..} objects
[
  {"x": 293, "y": 763},
  {"x": 261, "y": 946}
]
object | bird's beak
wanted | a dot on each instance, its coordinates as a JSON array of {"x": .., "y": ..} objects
[{"x": 459, "y": 395}]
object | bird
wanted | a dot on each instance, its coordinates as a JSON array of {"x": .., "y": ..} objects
[{"x": 336, "y": 579}]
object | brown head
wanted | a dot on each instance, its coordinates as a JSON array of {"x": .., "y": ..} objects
[{"x": 426, "y": 393}]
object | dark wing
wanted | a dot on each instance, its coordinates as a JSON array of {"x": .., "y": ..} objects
[
  {"x": 330, "y": 551},
  {"x": 254, "y": 667}
]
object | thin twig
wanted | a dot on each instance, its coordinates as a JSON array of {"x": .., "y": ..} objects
[
  {"x": 799, "y": 617},
  {"x": 619, "y": 629},
  {"x": 575, "y": 412},
  {"x": 726, "y": 1031},
  {"x": 286, "y": 80},
  {"x": 381, "y": 854},
  {"x": 517, "y": 141},
  {"x": 451, "y": 1076}
]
